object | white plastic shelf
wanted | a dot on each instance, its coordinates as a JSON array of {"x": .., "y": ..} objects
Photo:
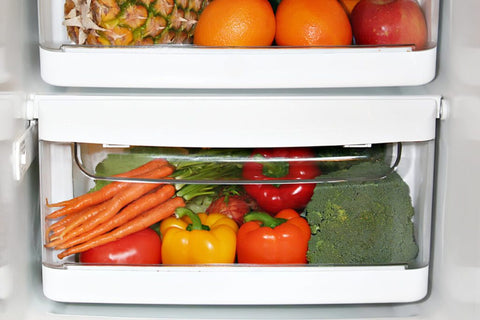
[{"x": 206, "y": 68}]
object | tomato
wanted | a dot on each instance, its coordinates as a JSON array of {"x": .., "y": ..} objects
[
  {"x": 142, "y": 247},
  {"x": 233, "y": 206}
]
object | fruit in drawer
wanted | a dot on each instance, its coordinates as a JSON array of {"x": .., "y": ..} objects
[
  {"x": 143, "y": 22},
  {"x": 312, "y": 23},
  {"x": 236, "y": 23},
  {"x": 142, "y": 247},
  {"x": 234, "y": 204},
  {"x": 377, "y": 22}
]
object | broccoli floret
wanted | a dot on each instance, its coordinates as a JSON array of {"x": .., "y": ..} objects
[{"x": 362, "y": 222}]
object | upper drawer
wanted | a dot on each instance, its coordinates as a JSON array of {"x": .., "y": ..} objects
[{"x": 64, "y": 62}]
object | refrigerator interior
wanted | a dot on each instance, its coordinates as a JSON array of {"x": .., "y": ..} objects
[{"x": 454, "y": 280}]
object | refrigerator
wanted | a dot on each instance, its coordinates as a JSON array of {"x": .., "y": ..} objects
[{"x": 65, "y": 108}]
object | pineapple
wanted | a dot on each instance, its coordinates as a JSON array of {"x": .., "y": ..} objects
[{"x": 132, "y": 22}]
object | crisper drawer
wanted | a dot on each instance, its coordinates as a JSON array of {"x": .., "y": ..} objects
[
  {"x": 357, "y": 175},
  {"x": 83, "y": 43}
]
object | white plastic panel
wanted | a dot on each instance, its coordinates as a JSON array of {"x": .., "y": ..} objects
[
  {"x": 188, "y": 67},
  {"x": 246, "y": 285},
  {"x": 236, "y": 120}
]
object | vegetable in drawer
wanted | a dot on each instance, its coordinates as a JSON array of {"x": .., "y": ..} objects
[
  {"x": 351, "y": 222},
  {"x": 191, "y": 238},
  {"x": 282, "y": 239},
  {"x": 287, "y": 164},
  {"x": 144, "y": 220},
  {"x": 362, "y": 223},
  {"x": 112, "y": 212}
]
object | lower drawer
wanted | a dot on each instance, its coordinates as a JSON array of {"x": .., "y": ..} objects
[{"x": 368, "y": 216}]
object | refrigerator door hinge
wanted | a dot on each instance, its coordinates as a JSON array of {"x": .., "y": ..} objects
[
  {"x": 443, "y": 109},
  {"x": 25, "y": 150},
  {"x": 30, "y": 108}
]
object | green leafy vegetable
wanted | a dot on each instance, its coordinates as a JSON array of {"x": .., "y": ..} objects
[
  {"x": 190, "y": 164},
  {"x": 134, "y": 157}
]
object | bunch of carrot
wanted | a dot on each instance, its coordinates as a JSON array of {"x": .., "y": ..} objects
[{"x": 113, "y": 212}]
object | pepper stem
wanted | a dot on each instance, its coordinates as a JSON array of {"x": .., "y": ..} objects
[
  {"x": 266, "y": 219},
  {"x": 274, "y": 169},
  {"x": 196, "y": 222}
]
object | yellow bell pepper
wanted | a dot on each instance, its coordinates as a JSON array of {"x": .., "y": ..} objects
[{"x": 191, "y": 238}]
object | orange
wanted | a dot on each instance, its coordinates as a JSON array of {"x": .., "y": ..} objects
[
  {"x": 349, "y": 4},
  {"x": 236, "y": 23},
  {"x": 312, "y": 23}
]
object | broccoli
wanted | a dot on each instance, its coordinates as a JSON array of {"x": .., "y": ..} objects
[
  {"x": 375, "y": 153},
  {"x": 362, "y": 223}
]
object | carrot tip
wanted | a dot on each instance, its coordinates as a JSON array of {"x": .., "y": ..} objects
[
  {"x": 49, "y": 205},
  {"x": 63, "y": 255},
  {"x": 54, "y": 238},
  {"x": 55, "y": 205},
  {"x": 52, "y": 216}
]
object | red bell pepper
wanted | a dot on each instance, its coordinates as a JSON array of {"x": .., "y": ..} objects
[
  {"x": 273, "y": 198},
  {"x": 282, "y": 239}
]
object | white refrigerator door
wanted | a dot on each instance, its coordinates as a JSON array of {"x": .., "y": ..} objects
[{"x": 17, "y": 197}]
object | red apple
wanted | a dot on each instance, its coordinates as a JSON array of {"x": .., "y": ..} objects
[{"x": 378, "y": 22}]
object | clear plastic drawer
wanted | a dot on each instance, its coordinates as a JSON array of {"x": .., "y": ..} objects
[{"x": 367, "y": 209}]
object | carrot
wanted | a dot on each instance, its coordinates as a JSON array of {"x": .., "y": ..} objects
[
  {"x": 78, "y": 220},
  {"x": 143, "y": 204},
  {"x": 56, "y": 228},
  {"x": 112, "y": 207},
  {"x": 145, "y": 168},
  {"x": 105, "y": 193},
  {"x": 61, "y": 223},
  {"x": 141, "y": 222}
]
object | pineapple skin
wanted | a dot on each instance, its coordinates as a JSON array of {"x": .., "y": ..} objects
[{"x": 132, "y": 22}]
